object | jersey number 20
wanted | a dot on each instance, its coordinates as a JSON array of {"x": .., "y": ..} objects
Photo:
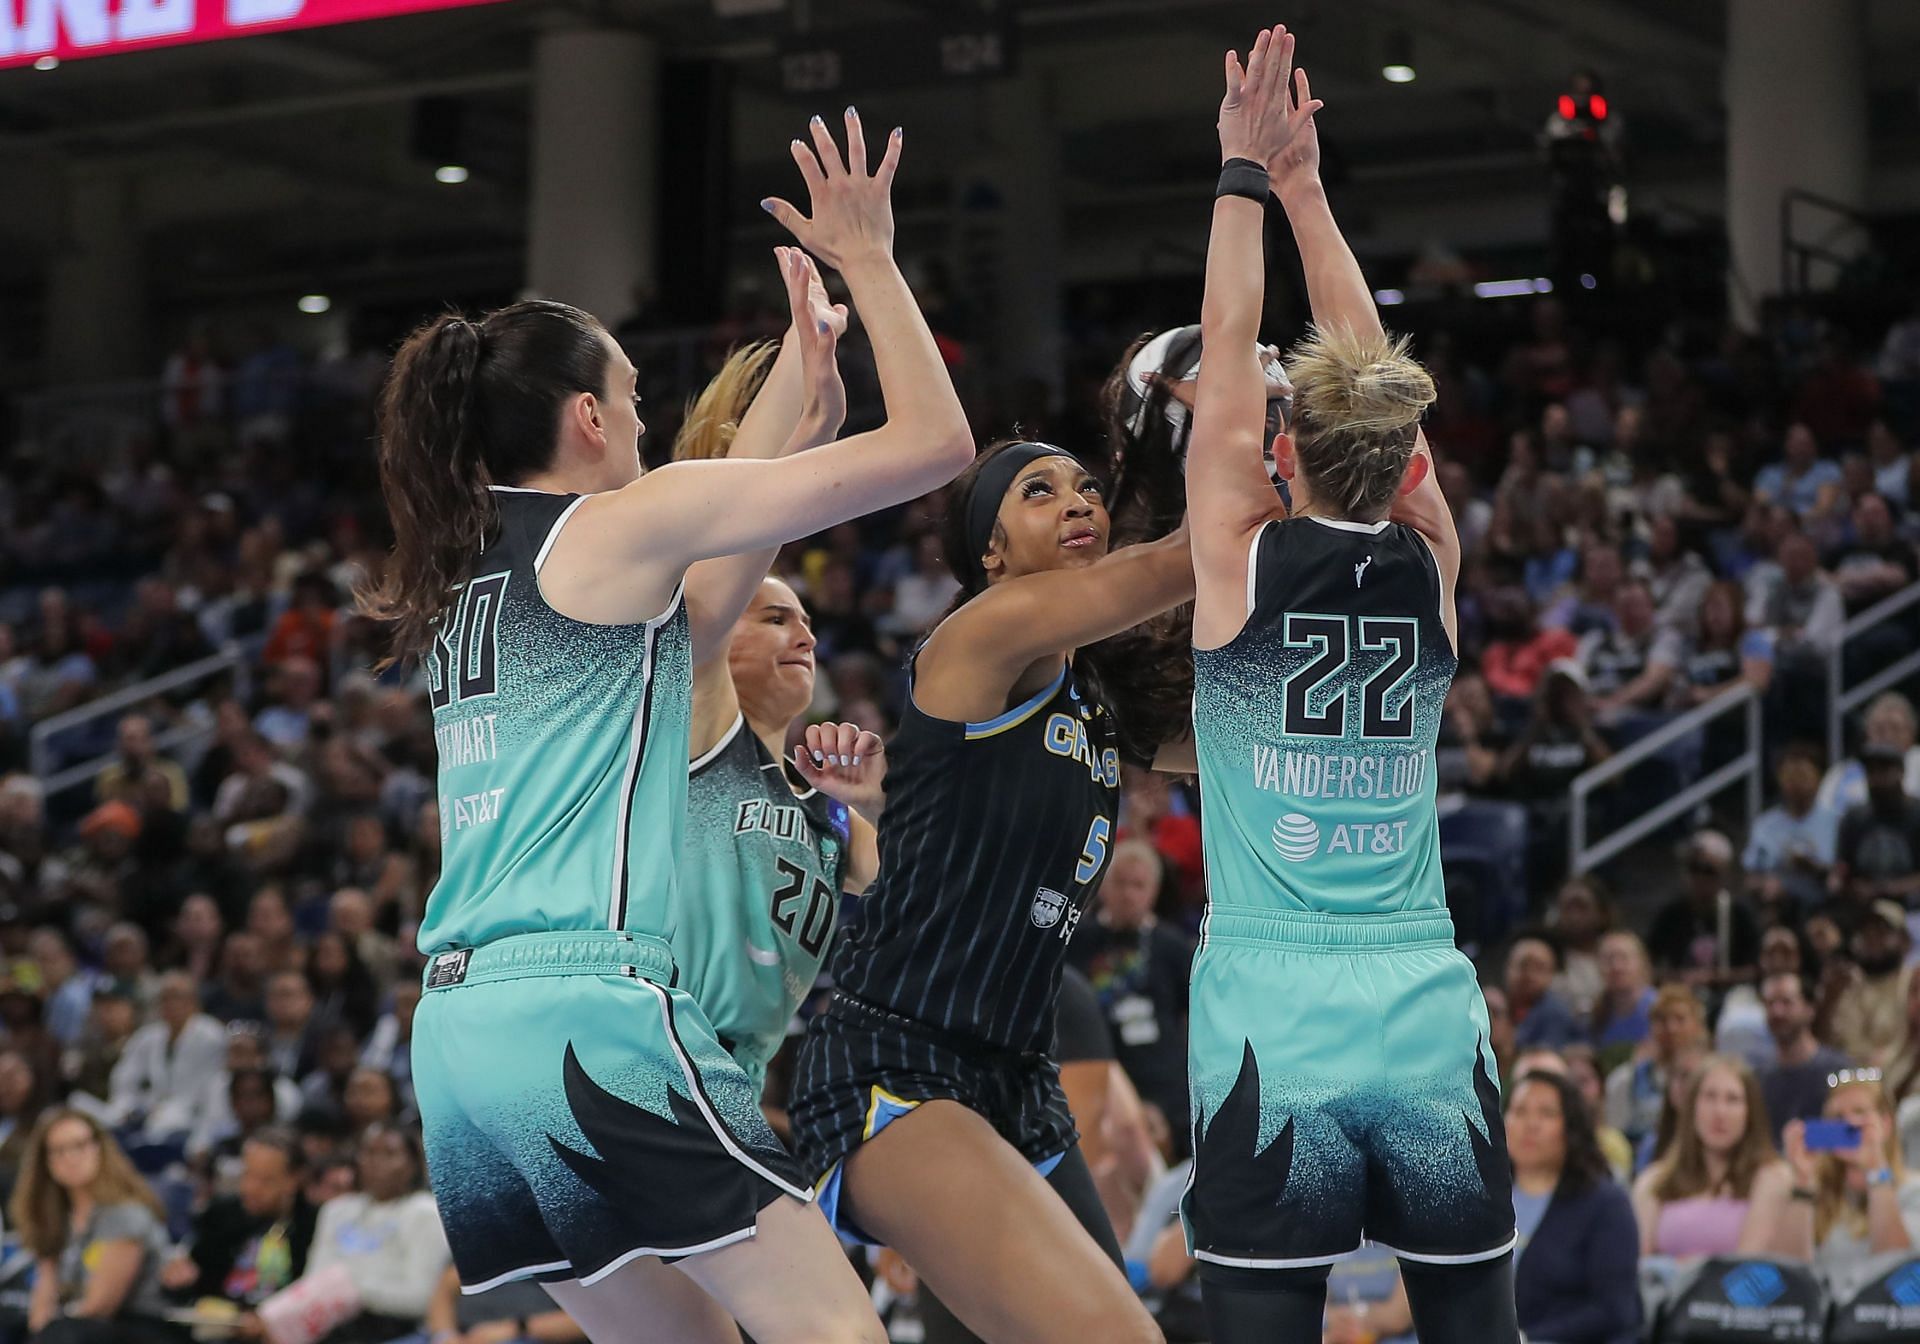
[
  {"x": 1332, "y": 637},
  {"x": 818, "y": 921}
]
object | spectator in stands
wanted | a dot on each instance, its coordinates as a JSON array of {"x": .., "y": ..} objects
[
  {"x": 1791, "y": 845},
  {"x": 1877, "y": 850},
  {"x": 1540, "y": 1017},
  {"x": 1559, "y": 743},
  {"x": 1856, "y": 1202},
  {"x": 123, "y": 778},
  {"x": 1581, "y": 917},
  {"x": 1582, "y": 1068},
  {"x": 304, "y": 630},
  {"x": 1676, "y": 577},
  {"x": 1499, "y": 1028},
  {"x": 1875, "y": 562},
  {"x": 1867, "y": 997},
  {"x": 248, "y": 1245},
  {"x": 1575, "y": 1275},
  {"x": 388, "y": 1236},
  {"x": 1903, "y": 1070},
  {"x": 509, "y": 1314},
  {"x": 1724, "y": 652},
  {"x": 1721, "y": 1189},
  {"x": 96, "y": 1233},
  {"x": 239, "y": 994},
  {"x": 1152, "y": 808},
  {"x": 1622, "y": 1012},
  {"x": 323, "y": 1092},
  {"x": 343, "y": 989},
  {"x": 197, "y": 933},
  {"x": 295, "y": 701},
  {"x": 1889, "y": 723},
  {"x": 350, "y": 914},
  {"x": 124, "y": 957},
  {"x": 1593, "y": 603},
  {"x": 921, "y": 594},
  {"x": 1804, "y": 482},
  {"x": 1518, "y": 651},
  {"x": 390, "y": 1047},
  {"x": 1139, "y": 967},
  {"x": 1804, "y": 608},
  {"x": 1631, "y": 665},
  {"x": 368, "y": 1099},
  {"x": 110, "y": 1026},
  {"x": 1795, "y": 1086},
  {"x": 291, "y": 1028},
  {"x": 21, "y": 1013},
  {"x": 1637, "y": 1089},
  {"x": 160, "y": 1084},
  {"x": 23, "y": 1095},
  {"x": 1707, "y": 935},
  {"x": 1892, "y": 466},
  {"x": 1838, "y": 396},
  {"x": 219, "y": 1123},
  {"x": 68, "y": 986},
  {"x": 270, "y": 919}
]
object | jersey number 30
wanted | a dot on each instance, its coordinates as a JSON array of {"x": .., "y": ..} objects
[
  {"x": 1332, "y": 638},
  {"x": 464, "y": 662},
  {"x": 818, "y": 921}
]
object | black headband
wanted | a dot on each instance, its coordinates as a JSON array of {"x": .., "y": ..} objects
[{"x": 990, "y": 487}]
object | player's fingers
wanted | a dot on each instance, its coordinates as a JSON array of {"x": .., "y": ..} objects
[
  {"x": 828, "y": 150},
  {"x": 786, "y": 215},
  {"x": 890, "y": 161},
  {"x": 867, "y": 746},
  {"x": 856, "y": 145},
  {"x": 810, "y": 168}
]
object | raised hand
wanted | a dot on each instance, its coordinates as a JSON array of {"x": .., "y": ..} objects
[
  {"x": 818, "y": 324},
  {"x": 1298, "y": 165},
  {"x": 844, "y": 761},
  {"x": 1258, "y": 117},
  {"x": 852, "y": 211}
]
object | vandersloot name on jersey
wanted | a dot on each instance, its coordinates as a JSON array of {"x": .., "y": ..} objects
[{"x": 1341, "y": 774}]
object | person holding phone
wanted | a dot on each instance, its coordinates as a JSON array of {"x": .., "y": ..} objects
[{"x": 1853, "y": 1198}]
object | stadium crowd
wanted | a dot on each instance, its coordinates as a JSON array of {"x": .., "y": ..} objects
[{"x": 207, "y": 976}]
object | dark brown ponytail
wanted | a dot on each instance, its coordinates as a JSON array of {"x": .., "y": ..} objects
[{"x": 468, "y": 405}]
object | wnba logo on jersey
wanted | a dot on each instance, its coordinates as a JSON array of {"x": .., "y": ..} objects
[{"x": 1297, "y": 837}]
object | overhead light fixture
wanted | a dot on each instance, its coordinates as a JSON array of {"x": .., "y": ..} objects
[
  {"x": 1388, "y": 298},
  {"x": 450, "y": 173},
  {"x": 315, "y": 303},
  {"x": 1397, "y": 67},
  {"x": 47, "y": 63},
  {"x": 1512, "y": 289}
]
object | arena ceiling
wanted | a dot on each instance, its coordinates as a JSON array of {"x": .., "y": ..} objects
[{"x": 255, "y": 159}]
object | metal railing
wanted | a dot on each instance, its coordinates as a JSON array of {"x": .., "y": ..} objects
[
  {"x": 1841, "y": 700},
  {"x": 55, "y": 778},
  {"x": 1748, "y": 766},
  {"x": 1843, "y": 224}
]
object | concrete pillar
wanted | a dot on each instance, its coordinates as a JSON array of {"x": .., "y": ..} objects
[
  {"x": 96, "y": 310},
  {"x": 595, "y": 170},
  {"x": 1796, "y": 94},
  {"x": 1026, "y": 172}
]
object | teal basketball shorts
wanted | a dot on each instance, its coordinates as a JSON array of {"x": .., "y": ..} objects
[
  {"x": 579, "y": 1113},
  {"x": 1343, "y": 1091}
]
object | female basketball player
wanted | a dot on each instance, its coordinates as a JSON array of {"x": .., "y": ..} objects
[
  {"x": 1323, "y": 652},
  {"x": 584, "y": 1127},
  {"x": 767, "y": 855},
  {"x": 924, "y": 1095}
]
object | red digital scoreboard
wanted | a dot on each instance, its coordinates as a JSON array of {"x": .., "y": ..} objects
[{"x": 33, "y": 30}]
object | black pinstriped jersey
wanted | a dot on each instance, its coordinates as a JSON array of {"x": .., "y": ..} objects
[{"x": 994, "y": 836}]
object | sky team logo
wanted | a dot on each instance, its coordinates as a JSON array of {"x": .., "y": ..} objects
[
  {"x": 1296, "y": 837},
  {"x": 1048, "y": 906}
]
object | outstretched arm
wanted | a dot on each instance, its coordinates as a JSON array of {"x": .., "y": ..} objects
[
  {"x": 1228, "y": 495},
  {"x": 633, "y": 544},
  {"x": 801, "y": 405},
  {"x": 1338, "y": 293}
]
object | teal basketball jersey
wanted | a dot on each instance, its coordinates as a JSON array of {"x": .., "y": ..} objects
[
  {"x": 759, "y": 894},
  {"x": 563, "y": 751},
  {"x": 1316, "y": 724}
]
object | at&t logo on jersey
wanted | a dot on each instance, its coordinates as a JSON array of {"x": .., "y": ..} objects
[{"x": 1296, "y": 837}]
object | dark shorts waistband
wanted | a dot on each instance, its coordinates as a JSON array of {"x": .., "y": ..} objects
[
  {"x": 1388, "y": 931},
  {"x": 580, "y": 952},
  {"x": 853, "y": 1007}
]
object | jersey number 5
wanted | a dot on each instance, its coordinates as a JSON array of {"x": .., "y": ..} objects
[
  {"x": 818, "y": 922},
  {"x": 1094, "y": 852},
  {"x": 1332, "y": 637},
  {"x": 464, "y": 662}
]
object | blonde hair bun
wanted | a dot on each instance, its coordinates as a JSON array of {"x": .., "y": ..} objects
[{"x": 1362, "y": 385}]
